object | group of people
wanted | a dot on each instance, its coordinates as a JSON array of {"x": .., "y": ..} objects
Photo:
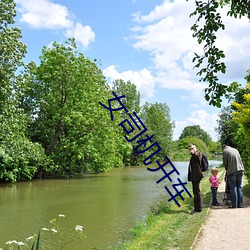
[{"x": 234, "y": 167}]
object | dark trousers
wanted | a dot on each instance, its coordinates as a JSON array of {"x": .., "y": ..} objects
[
  {"x": 197, "y": 196},
  {"x": 214, "y": 196}
]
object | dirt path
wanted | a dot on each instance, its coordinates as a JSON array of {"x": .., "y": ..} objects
[{"x": 225, "y": 228}]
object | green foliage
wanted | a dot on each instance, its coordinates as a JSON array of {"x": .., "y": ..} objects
[
  {"x": 66, "y": 118},
  {"x": 20, "y": 158},
  {"x": 227, "y": 127},
  {"x": 156, "y": 118},
  {"x": 242, "y": 116},
  {"x": 237, "y": 8},
  {"x": 215, "y": 147},
  {"x": 132, "y": 96},
  {"x": 233, "y": 123},
  {"x": 36, "y": 243},
  {"x": 180, "y": 155},
  {"x": 12, "y": 50},
  {"x": 205, "y": 28},
  {"x": 196, "y": 131},
  {"x": 231, "y": 131},
  {"x": 131, "y": 101},
  {"x": 201, "y": 146}
]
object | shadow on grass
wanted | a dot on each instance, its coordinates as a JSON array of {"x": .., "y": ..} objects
[{"x": 186, "y": 206}]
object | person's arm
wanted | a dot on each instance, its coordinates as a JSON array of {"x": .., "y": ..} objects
[
  {"x": 210, "y": 179},
  {"x": 224, "y": 159}
]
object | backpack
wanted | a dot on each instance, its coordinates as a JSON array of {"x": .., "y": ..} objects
[{"x": 204, "y": 163}]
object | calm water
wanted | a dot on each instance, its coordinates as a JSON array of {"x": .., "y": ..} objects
[{"x": 104, "y": 204}]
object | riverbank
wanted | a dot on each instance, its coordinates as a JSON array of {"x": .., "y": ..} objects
[{"x": 170, "y": 227}]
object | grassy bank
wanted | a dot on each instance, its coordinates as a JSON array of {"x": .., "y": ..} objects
[{"x": 168, "y": 226}]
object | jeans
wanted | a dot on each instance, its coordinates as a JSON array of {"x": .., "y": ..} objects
[
  {"x": 197, "y": 196},
  {"x": 235, "y": 182},
  {"x": 214, "y": 196}
]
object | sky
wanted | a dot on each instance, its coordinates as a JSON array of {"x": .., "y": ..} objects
[{"x": 147, "y": 42}]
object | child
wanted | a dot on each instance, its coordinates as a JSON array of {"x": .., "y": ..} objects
[{"x": 214, "y": 185}]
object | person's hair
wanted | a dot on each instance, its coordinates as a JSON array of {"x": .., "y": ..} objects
[
  {"x": 214, "y": 170},
  {"x": 224, "y": 146}
]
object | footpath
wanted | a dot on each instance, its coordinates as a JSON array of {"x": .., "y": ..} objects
[{"x": 225, "y": 228}]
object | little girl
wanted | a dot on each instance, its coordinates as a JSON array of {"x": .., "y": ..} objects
[{"x": 214, "y": 185}]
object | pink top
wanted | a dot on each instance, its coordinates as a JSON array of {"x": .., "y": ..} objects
[{"x": 214, "y": 181}]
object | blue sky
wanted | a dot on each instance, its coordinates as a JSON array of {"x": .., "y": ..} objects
[{"x": 148, "y": 42}]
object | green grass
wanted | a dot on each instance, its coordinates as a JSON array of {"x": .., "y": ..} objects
[
  {"x": 168, "y": 226},
  {"x": 246, "y": 188}
]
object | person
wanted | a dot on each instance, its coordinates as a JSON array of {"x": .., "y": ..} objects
[
  {"x": 195, "y": 175},
  {"x": 214, "y": 183},
  {"x": 235, "y": 170}
]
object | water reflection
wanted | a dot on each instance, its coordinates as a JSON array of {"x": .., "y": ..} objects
[{"x": 104, "y": 204}]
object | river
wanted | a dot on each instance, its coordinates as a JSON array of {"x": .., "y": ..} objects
[{"x": 105, "y": 204}]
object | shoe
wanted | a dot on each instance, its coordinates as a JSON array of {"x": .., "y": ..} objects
[
  {"x": 231, "y": 206},
  {"x": 194, "y": 212},
  {"x": 217, "y": 204},
  {"x": 240, "y": 206}
]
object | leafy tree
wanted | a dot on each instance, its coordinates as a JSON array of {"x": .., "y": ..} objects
[
  {"x": 241, "y": 115},
  {"x": 19, "y": 157},
  {"x": 215, "y": 147},
  {"x": 12, "y": 50},
  {"x": 227, "y": 127},
  {"x": 178, "y": 154},
  {"x": 132, "y": 96},
  {"x": 183, "y": 144},
  {"x": 196, "y": 131},
  {"x": 207, "y": 24},
  {"x": 156, "y": 118},
  {"x": 229, "y": 130},
  {"x": 66, "y": 118},
  {"x": 132, "y": 103}
]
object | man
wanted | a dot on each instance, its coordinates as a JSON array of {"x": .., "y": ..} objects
[
  {"x": 235, "y": 170},
  {"x": 195, "y": 175}
]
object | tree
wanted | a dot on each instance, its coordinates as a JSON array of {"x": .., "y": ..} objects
[
  {"x": 132, "y": 103},
  {"x": 19, "y": 158},
  {"x": 156, "y": 118},
  {"x": 132, "y": 96},
  {"x": 215, "y": 148},
  {"x": 184, "y": 142},
  {"x": 208, "y": 23},
  {"x": 66, "y": 118},
  {"x": 242, "y": 116},
  {"x": 12, "y": 50},
  {"x": 196, "y": 131},
  {"x": 227, "y": 128},
  {"x": 230, "y": 130}
]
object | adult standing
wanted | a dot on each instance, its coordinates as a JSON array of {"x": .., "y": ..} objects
[
  {"x": 235, "y": 169},
  {"x": 195, "y": 175}
]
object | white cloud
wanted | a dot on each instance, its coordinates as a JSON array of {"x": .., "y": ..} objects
[
  {"x": 234, "y": 41},
  {"x": 83, "y": 34},
  {"x": 44, "y": 14},
  {"x": 143, "y": 80},
  {"x": 208, "y": 122},
  {"x": 165, "y": 33}
]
